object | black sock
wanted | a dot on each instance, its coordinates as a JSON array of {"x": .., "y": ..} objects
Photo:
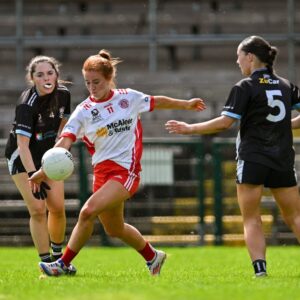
[
  {"x": 56, "y": 250},
  {"x": 45, "y": 257},
  {"x": 260, "y": 266}
]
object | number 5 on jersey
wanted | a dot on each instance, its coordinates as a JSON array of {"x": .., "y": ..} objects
[{"x": 272, "y": 102}]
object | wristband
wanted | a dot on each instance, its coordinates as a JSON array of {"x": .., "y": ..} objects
[{"x": 30, "y": 173}]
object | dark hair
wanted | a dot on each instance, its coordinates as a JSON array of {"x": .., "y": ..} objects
[
  {"x": 39, "y": 59},
  {"x": 261, "y": 49},
  {"x": 52, "y": 104},
  {"x": 103, "y": 63}
]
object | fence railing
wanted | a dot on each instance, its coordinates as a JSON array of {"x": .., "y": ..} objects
[{"x": 173, "y": 169}]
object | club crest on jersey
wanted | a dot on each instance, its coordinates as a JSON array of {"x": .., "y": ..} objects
[
  {"x": 124, "y": 103},
  {"x": 61, "y": 112},
  {"x": 95, "y": 115}
]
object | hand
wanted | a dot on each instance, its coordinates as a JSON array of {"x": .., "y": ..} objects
[
  {"x": 196, "y": 104},
  {"x": 36, "y": 177},
  {"x": 178, "y": 127},
  {"x": 38, "y": 186},
  {"x": 42, "y": 194}
]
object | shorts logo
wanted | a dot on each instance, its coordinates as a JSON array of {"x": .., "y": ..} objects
[{"x": 124, "y": 103}]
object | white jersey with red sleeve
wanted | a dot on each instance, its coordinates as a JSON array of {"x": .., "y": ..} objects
[{"x": 111, "y": 128}]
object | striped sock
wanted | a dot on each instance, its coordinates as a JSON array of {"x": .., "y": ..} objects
[
  {"x": 45, "y": 257},
  {"x": 260, "y": 266},
  {"x": 56, "y": 250}
]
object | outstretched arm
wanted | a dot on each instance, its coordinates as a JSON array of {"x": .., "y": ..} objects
[
  {"x": 164, "y": 102},
  {"x": 212, "y": 126}
]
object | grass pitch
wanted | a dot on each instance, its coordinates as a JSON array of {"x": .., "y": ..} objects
[{"x": 120, "y": 273}]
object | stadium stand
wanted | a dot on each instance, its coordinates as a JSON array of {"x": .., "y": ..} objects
[{"x": 182, "y": 49}]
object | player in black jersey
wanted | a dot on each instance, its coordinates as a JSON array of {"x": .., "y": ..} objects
[
  {"x": 40, "y": 115},
  {"x": 265, "y": 157}
]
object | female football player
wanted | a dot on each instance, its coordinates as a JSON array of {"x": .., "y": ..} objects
[
  {"x": 39, "y": 117},
  {"x": 109, "y": 123},
  {"x": 265, "y": 157}
]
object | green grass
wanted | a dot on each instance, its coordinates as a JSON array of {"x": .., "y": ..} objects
[{"x": 119, "y": 273}]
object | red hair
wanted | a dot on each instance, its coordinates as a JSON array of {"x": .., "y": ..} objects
[{"x": 103, "y": 63}]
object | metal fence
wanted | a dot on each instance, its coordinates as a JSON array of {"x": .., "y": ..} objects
[{"x": 184, "y": 192}]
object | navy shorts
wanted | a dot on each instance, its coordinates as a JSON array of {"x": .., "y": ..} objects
[{"x": 258, "y": 174}]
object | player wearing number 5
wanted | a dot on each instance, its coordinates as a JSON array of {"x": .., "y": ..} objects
[{"x": 262, "y": 103}]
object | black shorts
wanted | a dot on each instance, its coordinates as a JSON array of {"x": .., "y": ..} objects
[
  {"x": 15, "y": 164},
  {"x": 258, "y": 174}
]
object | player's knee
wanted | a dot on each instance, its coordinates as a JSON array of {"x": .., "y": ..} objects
[
  {"x": 38, "y": 214},
  {"x": 291, "y": 219},
  {"x": 57, "y": 213},
  {"x": 252, "y": 221},
  {"x": 86, "y": 214}
]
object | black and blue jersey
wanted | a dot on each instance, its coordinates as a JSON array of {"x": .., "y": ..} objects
[
  {"x": 263, "y": 103},
  {"x": 38, "y": 118}
]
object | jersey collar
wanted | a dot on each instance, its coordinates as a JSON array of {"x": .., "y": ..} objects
[
  {"x": 259, "y": 70},
  {"x": 111, "y": 93}
]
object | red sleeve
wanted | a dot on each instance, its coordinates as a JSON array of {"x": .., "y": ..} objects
[
  {"x": 69, "y": 135},
  {"x": 151, "y": 103}
]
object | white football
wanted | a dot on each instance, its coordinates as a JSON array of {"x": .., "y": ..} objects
[{"x": 57, "y": 163}]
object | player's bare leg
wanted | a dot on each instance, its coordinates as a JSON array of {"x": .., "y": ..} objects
[
  {"x": 110, "y": 195},
  {"x": 114, "y": 225},
  {"x": 288, "y": 201},
  {"x": 37, "y": 211},
  {"x": 249, "y": 197},
  {"x": 56, "y": 216}
]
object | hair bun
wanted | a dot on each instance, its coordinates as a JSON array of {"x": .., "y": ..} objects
[{"x": 105, "y": 54}]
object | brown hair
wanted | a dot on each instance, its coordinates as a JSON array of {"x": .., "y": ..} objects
[
  {"x": 103, "y": 63},
  {"x": 52, "y": 105},
  {"x": 260, "y": 48},
  {"x": 31, "y": 67}
]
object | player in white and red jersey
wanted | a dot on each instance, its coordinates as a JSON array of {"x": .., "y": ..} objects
[
  {"x": 112, "y": 128},
  {"x": 109, "y": 123},
  {"x": 263, "y": 102}
]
